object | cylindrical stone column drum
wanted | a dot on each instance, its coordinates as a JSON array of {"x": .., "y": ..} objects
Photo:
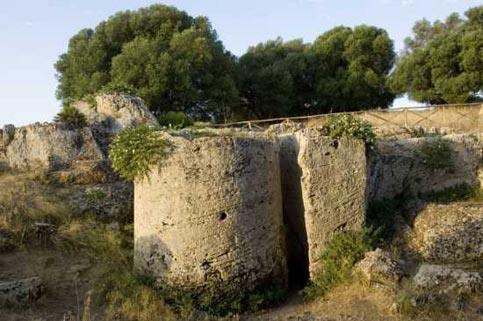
[{"x": 210, "y": 217}]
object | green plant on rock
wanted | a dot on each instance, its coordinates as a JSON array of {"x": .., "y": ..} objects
[
  {"x": 346, "y": 125},
  {"x": 338, "y": 259},
  {"x": 71, "y": 116},
  {"x": 437, "y": 154},
  {"x": 134, "y": 151},
  {"x": 175, "y": 120}
]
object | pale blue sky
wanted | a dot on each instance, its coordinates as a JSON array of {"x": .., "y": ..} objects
[{"x": 33, "y": 33}]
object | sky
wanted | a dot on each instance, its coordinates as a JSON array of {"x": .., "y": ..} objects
[{"x": 33, "y": 33}]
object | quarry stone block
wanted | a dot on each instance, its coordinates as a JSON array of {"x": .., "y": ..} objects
[
  {"x": 21, "y": 291},
  {"x": 451, "y": 233},
  {"x": 51, "y": 147},
  {"x": 396, "y": 168},
  {"x": 333, "y": 185},
  {"x": 117, "y": 111},
  {"x": 210, "y": 217}
]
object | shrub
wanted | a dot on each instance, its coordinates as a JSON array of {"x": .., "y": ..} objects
[
  {"x": 113, "y": 88},
  {"x": 175, "y": 120},
  {"x": 381, "y": 217},
  {"x": 346, "y": 125},
  {"x": 461, "y": 192},
  {"x": 436, "y": 154},
  {"x": 342, "y": 253},
  {"x": 135, "y": 150},
  {"x": 72, "y": 117}
]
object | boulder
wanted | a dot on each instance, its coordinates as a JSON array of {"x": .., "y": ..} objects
[
  {"x": 451, "y": 233},
  {"x": 22, "y": 291},
  {"x": 209, "y": 218},
  {"x": 396, "y": 168},
  {"x": 323, "y": 185},
  {"x": 447, "y": 278},
  {"x": 51, "y": 147},
  {"x": 379, "y": 268},
  {"x": 117, "y": 112}
]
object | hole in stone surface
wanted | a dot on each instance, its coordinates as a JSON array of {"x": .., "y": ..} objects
[
  {"x": 335, "y": 144},
  {"x": 222, "y": 216}
]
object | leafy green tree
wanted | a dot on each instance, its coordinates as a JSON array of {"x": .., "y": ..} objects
[
  {"x": 344, "y": 69},
  {"x": 172, "y": 60},
  {"x": 351, "y": 69},
  {"x": 271, "y": 78},
  {"x": 443, "y": 60}
]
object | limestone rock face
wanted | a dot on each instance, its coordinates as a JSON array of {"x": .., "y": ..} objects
[
  {"x": 21, "y": 291},
  {"x": 380, "y": 268},
  {"x": 51, "y": 146},
  {"x": 397, "y": 169},
  {"x": 449, "y": 233},
  {"x": 447, "y": 277},
  {"x": 333, "y": 185},
  {"x": 117, "y": 112},
  {"x": 210, "y": 217}
]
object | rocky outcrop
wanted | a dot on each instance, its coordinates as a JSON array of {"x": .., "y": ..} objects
[
  {"x": 117, "y": 112},
  {"x": 50, "y": 147},
  {"x": 447, "y": 278},
  {"x": 210, "y": 218},
  {"x": 324, "y": 182},
  {"x": 21, "y": 291},
  {"x": 396, "y": 168},
  {"x": 449, "y": 233},
  {"x": 379, "y": 268}
]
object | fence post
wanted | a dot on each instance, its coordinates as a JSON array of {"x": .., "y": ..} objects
[{"x": 405, "y": 117}]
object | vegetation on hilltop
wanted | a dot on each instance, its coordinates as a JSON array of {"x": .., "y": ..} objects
[
  {"x": 443, "y": 60},
  {"x": 176, "y": 62}
]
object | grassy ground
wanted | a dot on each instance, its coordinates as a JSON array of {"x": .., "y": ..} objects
[{"x": 86, "y": 266}]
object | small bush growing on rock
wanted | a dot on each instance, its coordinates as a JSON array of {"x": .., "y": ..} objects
[
  {"x": 72, "y": 117},
  {"x": 342, "y": 253},
  {"x": 175, "y": 120},
  {"x": 346, "y": 125},
  {"x": 461, "y": 192},
  {"x": 135, "y": 150},
  {"x": 437, "y": 154},
  {"x": 113, "y": 88}
]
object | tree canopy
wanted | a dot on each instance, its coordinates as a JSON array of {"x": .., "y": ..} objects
[
  {"x": 170, "y": 59},
  {"x": 344, "y": 69},
  {"x": 443, "y": 60}
]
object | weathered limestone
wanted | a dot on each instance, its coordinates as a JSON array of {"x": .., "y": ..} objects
[
  {"x": 396, "y": 168},
  {"x": 117, "y": 112},
  {"x": 379, "y": 268},
  {"x": 324, "y": 189},
  {"x": 21, "y": 291},
  {"x": 450, "y": 233},
  {"x": 210, "y": 218},
  {"x": 447, "y": 277},
  {"x": 50, "y": 146}
]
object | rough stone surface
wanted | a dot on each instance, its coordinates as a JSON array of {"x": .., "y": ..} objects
[
  {"x": 51, "y": 147},
  {"x": 210, "y": 218},
  {"x": 333, "y": 185},
  {"x": 395, "y": 168},
  {"x": 449, "y": 233},
  {"x": 117, "y": 112},
  {"x": 21, "y": 291},
  {"x": 447, "y": 277},
  {"x": 7, "y": 134},
  {"x": 379, "y": 268}
]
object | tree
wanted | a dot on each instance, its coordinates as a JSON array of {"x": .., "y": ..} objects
[
  {"x": 443, "y": 60},
  {"x": 351, "y": 69},
  {"x": 272, "y": 78},
  {"x": 173, "y": 61},
  {"x": 344, "y": 69}
]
